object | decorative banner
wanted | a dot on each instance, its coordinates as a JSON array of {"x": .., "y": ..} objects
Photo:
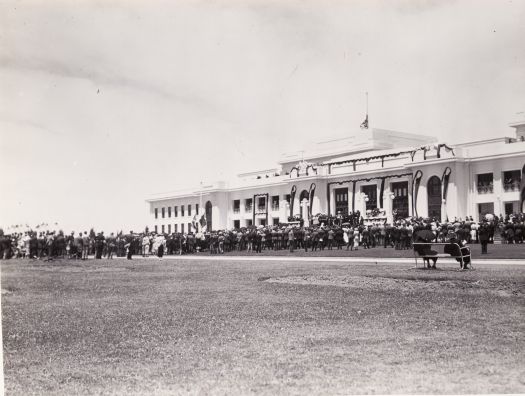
[
  {"x": 292, "y": 198},
  {"x": 311, "y": 199},
  {"x": 328, "y": 197},
  {"x": 303, "y": 166},
  {"x": 522, "y": 188},
  {"x": 382, "y": 157},
  {"x": 353, "y": 196},
  {"x": 381, "y": 192},
  {"x": 444, "y": 181},
  {"x": 415, "y": 187},
  {"x": 443, "y": 145}
]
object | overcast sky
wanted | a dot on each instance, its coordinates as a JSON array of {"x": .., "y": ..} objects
[{"x": 103, "y": 103}]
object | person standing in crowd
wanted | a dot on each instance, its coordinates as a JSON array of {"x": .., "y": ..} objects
[
  {"x": 349, "y": 235},
  {"x": 85, "y": 245},
  {"x": 99, "y": 245},
  {"x": 330, "y": 238},
  {"x": 49, "y": 245},
  {"x": 130, "y": 245},
  {"x": 145, "y": 245},
  {"x": 339, "y": 238},
  {"x": 160, "y": 242},
  {"x": 291, "y": 239},
  {"x": 366, "y": 238},
  {"x": 33, "y": 246},
  {"x": 356, "y": 238},
  {"x": 307, "y": 236},
  {"x": 484, "y": 236},
  {"x": 77, "y": 242},
  {"x": 111, "y": 243}
]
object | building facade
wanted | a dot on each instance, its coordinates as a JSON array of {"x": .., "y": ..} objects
[{"x": 385, "y": 175}]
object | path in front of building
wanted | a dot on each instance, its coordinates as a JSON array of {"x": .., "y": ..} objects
[
  {"x": 320, "y": 259},
  {"x": 497, "y": 254}
]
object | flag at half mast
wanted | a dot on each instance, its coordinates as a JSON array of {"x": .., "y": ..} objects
[{"x": 364, "y": 124}]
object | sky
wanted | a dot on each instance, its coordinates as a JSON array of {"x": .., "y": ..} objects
[{"x": 104, "y": 103}]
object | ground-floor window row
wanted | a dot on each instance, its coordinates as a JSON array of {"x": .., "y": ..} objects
[{"x": 177, "y": 228}]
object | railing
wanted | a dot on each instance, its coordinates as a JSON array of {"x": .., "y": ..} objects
[
  {"x": 248, "y": 208},
  {"x": 485, "y": 189},
  {"x": 275, "y": 208},
  {"x": 236, "y": 210},
  {"x": 261, "y": 208},
  {"x": 511, "y": 186}
]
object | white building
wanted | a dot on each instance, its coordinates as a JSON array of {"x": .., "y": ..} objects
[{"x": 383, "y": 174}]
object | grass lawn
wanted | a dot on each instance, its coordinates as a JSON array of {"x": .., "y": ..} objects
[{"x": 210, "y": 327}]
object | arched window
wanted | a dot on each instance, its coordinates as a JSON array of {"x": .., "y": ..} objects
[
  {"x": 434, "y": 197},
  {"x": 304, "y": 195}
]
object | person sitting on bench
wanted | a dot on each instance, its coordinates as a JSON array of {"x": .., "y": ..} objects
[
  {"x": 456, "y": 248},
  {"x": 425, "y": 251}
]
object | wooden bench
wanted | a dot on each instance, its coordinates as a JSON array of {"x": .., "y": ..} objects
[{"x": 462, "y": 257}]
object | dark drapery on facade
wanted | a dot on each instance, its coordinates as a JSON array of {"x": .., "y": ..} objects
[
  {"x": 311, "y": 198},
  {"x": 292, "y": 199},
  {"x": 415, "y": 188},
  {"x": 522, "y": 188}
]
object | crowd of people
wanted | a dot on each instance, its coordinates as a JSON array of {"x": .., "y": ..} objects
[{"x": 333, "y": 234}]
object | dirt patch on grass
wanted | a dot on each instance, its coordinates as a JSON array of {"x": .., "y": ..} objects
[
  {"x": 402, "y": 284},
  {"x": 78, "y": 268}
]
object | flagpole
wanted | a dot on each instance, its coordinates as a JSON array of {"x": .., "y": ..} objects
[{"x": 368, "y": 118}]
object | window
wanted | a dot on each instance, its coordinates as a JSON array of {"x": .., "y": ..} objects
[
  {"x": 341, "y": 201},
  {"x": 182, "y": 228},
  {"x": 189, "y": 227},
  {"x": 511, "y": 180},
  {"x": 434, "y": 197},
  {"x": 400, "y": 202},
  {"x": 169, "y": 211},
  {"x": 175, "y": 228},
  {"x": 189, "y": 210},
  {"x": 275, "y": 203},
  {"x": 156, "y": 229},
  {"x": 182, "y": 210},
  {"x": 275, "y": 221},
  {"x": 162, "y": 228},
  {"x": 163, "y": 210},
  {"x": 370, "y": 193},
  {"x": 169, "y": 228},
  {"x": 236, "y": 206},
  {"x": 196, "y": 208},
  {"x": 485, "y": 208},
  {"x": 263, "y": 222},
  {"x": 485, "y": 183},
  {"x": 236, "y": 224},
  {"x": 248, "y": 222},
  {"x": 156, "y": 213},
  {"x": 288, "y": 198},
  {"x": 175, "y": 211},
  {"x": 261, "y": 204},
  {"x": 248, "y": 205}
]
